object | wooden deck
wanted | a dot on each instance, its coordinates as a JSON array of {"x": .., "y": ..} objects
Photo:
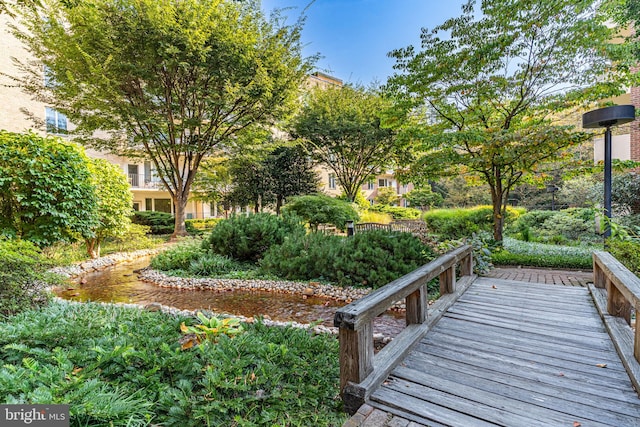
[{"x": 513, "y": 354}]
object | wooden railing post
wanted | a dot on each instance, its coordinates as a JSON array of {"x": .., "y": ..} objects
[
  {"x": 466, "y": 265},
  {"x": 416, "y": 306},
  {"x": 599, "y": 277},
  {"x": 617, "y": 304},
  {"x": 448, "y": 280},
  {"x": 356, "y": 354}
]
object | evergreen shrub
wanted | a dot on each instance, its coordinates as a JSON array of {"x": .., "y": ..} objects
[
  {"x": 247, "y": 238},
  {"x": 159, "y": 222},
  {"x": 371, "y": 259},
  {"x": 627, "y": 252}
]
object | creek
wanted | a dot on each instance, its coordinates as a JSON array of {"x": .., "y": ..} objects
[{"x": 120, "y": 284}]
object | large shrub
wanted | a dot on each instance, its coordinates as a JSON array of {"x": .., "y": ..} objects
[
  {"x": 46, "y": 194},
  {"x": 397, "y": 212},
  {"x": 247, "y": 238},
  {"x": 460, "y": 223},
  {"x": 627, "y": 252},
  {"x": 159, "y": 222},
  {"x": 22, "y": 276},
  {"x": 372, "y": 259},
  {"x": 322, "y": 209},
  {"x": 568, "y": 225}
]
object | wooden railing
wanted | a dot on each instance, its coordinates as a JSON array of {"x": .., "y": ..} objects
[
  {"x": 409, "y": 226},
  {"x": 360, "y": 370},
  {"x": 619, "y": 296}
]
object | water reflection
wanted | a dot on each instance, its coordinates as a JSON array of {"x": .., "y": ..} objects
[{"x": 120, "y": 284}]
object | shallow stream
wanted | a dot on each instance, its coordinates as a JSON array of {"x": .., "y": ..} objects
[{"x": 120, "y": 284}]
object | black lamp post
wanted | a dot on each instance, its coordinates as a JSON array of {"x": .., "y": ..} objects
[
  {"x": 607, "y": 117},
  {"x": 553, "y": 189}
]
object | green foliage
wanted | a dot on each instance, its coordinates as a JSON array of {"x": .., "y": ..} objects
[
  {"x": 424, "y": 198},
  {"x": 460, "y": 223},
  {"x": 626, "y": 197},
  {"x": 397, "y": 212},
  {"x": 470, "y": 110},
  {"x": 341, "y": 127},
  {"x": 123, "y": 366},
  {"x": 211, "y": 329},
  {"x": 322, "y": 209},
  {"x": 159, "y": 222},
  {"x": 22, "y": 276},
  {"x": 179, "y": 256},
  {"x": 214, "y": 265},
  {"x": 371, "y": 259},
  {"x": 114, "y": 204},
  {"x": 387, "y": 196},
  {"x": 516, "y": 252},
  {"x": 46, "y": 193},
  {"x": 627, "y": 252},
  {"x": 483, "y": 246},
  {"x": 248, "y": 237},
  {"x": 199, "y": 226},
  {"x": 202, "y": 72},
  {"x": 560, "y": 227},
  {"x": 378, "y": 217}
]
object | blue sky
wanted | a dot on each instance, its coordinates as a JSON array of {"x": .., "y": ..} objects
[{"x": 354, "y": 36}]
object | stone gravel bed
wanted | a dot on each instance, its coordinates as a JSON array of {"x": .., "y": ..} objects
[{"x": 72, "y": 271}]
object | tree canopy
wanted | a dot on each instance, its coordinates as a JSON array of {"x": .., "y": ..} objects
[
  {"x": 46, "y": 192},
  {"x": 164, "y": 79},
  {"x": 487, "y": 93},
  {"x": 341, "y": 127}
]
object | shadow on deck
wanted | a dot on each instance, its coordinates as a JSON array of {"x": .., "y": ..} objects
[{"x": 499, "y": 352}]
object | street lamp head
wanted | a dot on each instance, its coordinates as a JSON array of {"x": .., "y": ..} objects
[{"x": 608, "y": 116}]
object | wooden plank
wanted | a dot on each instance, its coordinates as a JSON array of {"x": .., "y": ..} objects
[
  {"x": 617, "y": 304},
  {"x": 415, "y": 420},
  {"x": 559, "y": 391},
  {"x": 554, "y": 410},
  {"x": 416, "y": 306},
  {"x": 363, "y": 310},
  {"x": 556, "y": 361},
  {"x": 516, "y": 401},
  {"x": 429, "y": 410},
  {"x": 498, "y": 308},
  {"x": 514, "y": 338},
  {"x": 622, "y": 336},
  {"x": 448, "y": 280},
  {"x": 601, "y": 343}
]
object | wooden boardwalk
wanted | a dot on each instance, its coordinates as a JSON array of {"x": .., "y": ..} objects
[{"x": 514, "y": 354}]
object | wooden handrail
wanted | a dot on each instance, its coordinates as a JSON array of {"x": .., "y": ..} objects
[
  {"x": 355, "y": 323},
  {"x": 623, "y": 290}
]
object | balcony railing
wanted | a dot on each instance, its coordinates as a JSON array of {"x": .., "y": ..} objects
[{"x": 142, "y": 181}]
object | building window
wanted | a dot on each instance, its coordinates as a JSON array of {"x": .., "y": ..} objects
[
  {"x": 132, "y": 171},
  {"x": 49, "y": 80},
  {"x": 148, "y": 205},
  {"x": 371, "y": 185},
  {"x": 162, "y": 205},
  {"x": 136, "y": 206},
  {"x": 332, "y": 181},
  {"x": 56, "y": 122},
  {"x": 383, "y": 182}
]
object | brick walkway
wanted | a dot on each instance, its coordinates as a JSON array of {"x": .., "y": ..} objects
[{"x": 367, "y": 416}]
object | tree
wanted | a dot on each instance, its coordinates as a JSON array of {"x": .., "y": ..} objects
[
  {"x": 322, "y": 209},
  {"x": 424, "y": 198},
  {"x": 292, "y": 174},
  {"x": 251, "y": 183},
  {"x": 387, "y": 196},
  {"x": 341, "y": 128},
  {"x": 486, "y": 99},
  {"x": 46, "y": 193},
  {"x": 192, "y": 76},
  {"x": 213, "y": 183},
  {"x": 115, "y": 202}
]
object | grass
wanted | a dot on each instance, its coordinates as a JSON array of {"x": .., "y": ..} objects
[
  {"x": 517, "y": 252},
  {"x": 124, "y": 366}
]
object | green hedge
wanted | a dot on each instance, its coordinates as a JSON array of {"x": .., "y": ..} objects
[
  {"x": 159, "y": 222},
  {"x": 397, "y": 212},
  {"x": 460, "y": 223},
  {"x": 627, "y": 252},
  {"x": 371, "y": 259}
]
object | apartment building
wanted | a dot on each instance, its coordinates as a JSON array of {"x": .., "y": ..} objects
[{"x": 625, "y": 141}]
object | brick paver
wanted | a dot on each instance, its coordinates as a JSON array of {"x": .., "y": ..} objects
[{"x": 370, "y": 417}]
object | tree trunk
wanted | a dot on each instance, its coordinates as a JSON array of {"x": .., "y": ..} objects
[
  {"x": 498, "y": 218},
  {"x": 93, "y": 247},
  {"x": 278, "y": 204},
  {"x": 180, "y": 228}
]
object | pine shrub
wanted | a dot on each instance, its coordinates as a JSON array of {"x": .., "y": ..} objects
[
  {"x": 247, "y": 238},
  {"x": 160, "y": 222}
]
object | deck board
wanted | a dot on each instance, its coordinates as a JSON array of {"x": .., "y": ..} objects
[{"x": 514, "y": 353}]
